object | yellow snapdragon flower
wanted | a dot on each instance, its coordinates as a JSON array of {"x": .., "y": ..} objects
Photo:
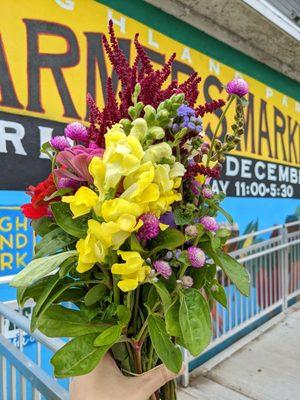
[
  {"x": 86, "y": 253},
  {"x": 82, "y": 202},
  {"x": 133, "y": 271},
  {"x": 123, "y": 155}
]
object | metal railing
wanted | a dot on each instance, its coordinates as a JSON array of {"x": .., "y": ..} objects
[
  {"x": 22, "y": 377},
  {"x": 272, "y": 258},
  {"x": 273, "y": 264}
]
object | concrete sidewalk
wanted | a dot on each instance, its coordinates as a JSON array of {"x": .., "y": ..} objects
[{"x": 267, "y": 368}]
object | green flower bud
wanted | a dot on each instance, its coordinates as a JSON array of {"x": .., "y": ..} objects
[
  {"x": 156, "y": 132},
  {"x": 139, "y": 129},
  {"x": 126, "y": 123}
]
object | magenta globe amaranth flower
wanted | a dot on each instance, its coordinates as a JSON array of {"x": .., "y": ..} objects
[
  {"x": 150, "y": 228},
  {"x": 196, "y": 257},
  {"x": 207, "y": 193},
  {"x": 238, "y": 87},
  {"x": 76, "y": 131},
  {"x": 163, "y": 268},
  {"x": 60, "y": 143},
  {"x": 209, "y": 223}
]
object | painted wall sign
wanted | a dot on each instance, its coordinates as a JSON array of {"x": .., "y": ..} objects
[{"x": 51, "y": 56}]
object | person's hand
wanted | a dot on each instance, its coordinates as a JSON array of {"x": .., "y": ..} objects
[{"x": 106, "y": 382}]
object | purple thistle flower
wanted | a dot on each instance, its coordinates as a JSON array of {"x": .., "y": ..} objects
[
  {"x": 207, "y": 193},
  {"x": 60, "y": 143},
  {"x": 191, "y": 126},
  {"x": 196, "y": 257},
  {"x": 150, "y": 228},
  {"x": 209, "y": 223},
  {"x": 187, "y": 281},
  {"x": 76, "y": 131},
  {"x": 238, "y": 87},
  {"x": 175, "y": 128},
  {"x": 191, "y": 230},
  {"x": 163, "y": 268}
]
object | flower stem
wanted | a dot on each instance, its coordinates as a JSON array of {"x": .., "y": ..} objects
[{"x": 217, "y": 130}]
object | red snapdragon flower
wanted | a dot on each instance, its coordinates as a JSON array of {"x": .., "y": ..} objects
[{"x": 39, "y": 207}]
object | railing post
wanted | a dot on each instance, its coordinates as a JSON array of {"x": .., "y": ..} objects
[
  {"x": 185, "y": 376},
  {"x": 284, "y": 269}
]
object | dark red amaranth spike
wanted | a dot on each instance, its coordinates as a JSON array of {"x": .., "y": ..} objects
[
  {"x": 209, "y": 107},
  {"x": 196, "y": 169},
  {"x": 154, "y": 89}
]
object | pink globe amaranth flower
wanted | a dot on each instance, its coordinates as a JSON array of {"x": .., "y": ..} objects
[
  {"x": 60, "y": 143},
  {"x": 209, "y": 223},
  {"x": 76, "y": 131},
  {"x": 187, "y": 281},
  {"x": 191, "y": 230},
  {"x": 195, "y": 187},
  {"x": 207, "y": 193},
  {"x": 238, "y": 87},
  {"x": 163, "y": 268},
  {"x": 150, "y": 228},
  {"x": 196, "y": 257}
]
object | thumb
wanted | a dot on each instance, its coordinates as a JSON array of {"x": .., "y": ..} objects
[{"x": 157, "y": 377}]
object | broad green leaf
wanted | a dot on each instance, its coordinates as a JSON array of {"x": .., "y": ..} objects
[
  {"x": 58, "y": 193},
  {"x": 183, "y": 258},
  {"x": 52, "y": 281},
  {"x": 64, "y": 218},
  {"x": 59, "y": 321},
  {"x": 195, "y": 323},
  {"x": 172, "y": 319},
  {"x": 52, "y": 242},
  {"x": 183, "y": 216},
  {"x": 152, "y": 298},
  {"x": 198, "y": 275},
  {"x": 223, "y": 233},
  {"x": 169, "y": 353},
  {"x": 169, "y": 239},
  {"x": 135, "y": 245},
  {"x": 39, "y": 268},
  {"x": 66, "y": 267},
  {"x": 218, "y": 293},
  {"x": 108, "y": 337},
  {"x": 123, "y": 314},
  {"x": 31, "y": 292},
  {"x": 237, "y": 273},
  {"x": 78, "y": 357},
  {"x": 95, "y": 294},
  {"x": 42, "y": 226},
  {"x": 163, "y": 294}
]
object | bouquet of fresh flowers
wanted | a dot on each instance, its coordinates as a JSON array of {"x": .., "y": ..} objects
[{"x": 130, "y": 246}]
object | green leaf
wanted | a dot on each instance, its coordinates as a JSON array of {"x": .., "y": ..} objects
[
  {"x": 237, "y": 273},
  {"x": 108, "y": 337},
  {"x": 135, "y": 245},
  {"x": 169, "y": 239},
  {"x": 218, "y": 293},
  {"x": 225, "y": 213},
  {"x": 223, "y": 233},
  {"x": 31, "y": 292},
  {"x": 40, "y": 267},
  {"x": 123, "y": 314},
  {"x": 183, "y": 216},
  {"x": 183, "y": 258},
  {"x": 52, "y": 242},
  {"x": 95, "y": 294},
  {"x": 64, "y": 218},
  {"x": 195, "y": 323},
  {"x": 53, "y": 280},
  {"x": 163, "y": 293},
  {"x": 172, "y": 319},
  {"x": 198, "y": 275},
  {"x": 58, "y": 193},
  {"x": 42, "y": 226},
  {"x": 169, "y": 353},
  {"x": 78, "y": 357},
  {"x": 59, "y": 321}
]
